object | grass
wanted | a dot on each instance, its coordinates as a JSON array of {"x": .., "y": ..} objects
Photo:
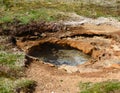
[
  {"x": 11, "y": 69},
  {"x": 25, "y": 13},
  {"x": 12, "y": 64},
  {"x": 102, "y": 87},
  {"x": 8, "y": 57},
  {"x": 8, "y": 85},
  {"x": 50, "y": 10},
  {"x": 12, "y": 60}
]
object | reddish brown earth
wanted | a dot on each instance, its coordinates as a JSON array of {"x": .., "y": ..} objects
[{"x": 100, "y": 42}]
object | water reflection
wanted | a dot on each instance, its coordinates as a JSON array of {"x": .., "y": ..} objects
[{"x": 58, "y": 57}]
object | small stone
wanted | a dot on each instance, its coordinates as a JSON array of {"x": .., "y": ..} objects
[
  {"x": 69, "y": 69},
  {"x": 51, "y": 65},
  {"x": 116, "y": 66},
  {"x": 43, "y": 35}
]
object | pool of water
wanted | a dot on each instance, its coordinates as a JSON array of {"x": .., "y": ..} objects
[
  {"x": 59, "y": 56},
  {"x": 66, "y": 56}
]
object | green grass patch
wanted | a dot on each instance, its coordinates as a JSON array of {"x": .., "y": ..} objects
[
  {"x": 8, "y": 85},
  {"x": 6, "y": 19},
  {"x": 38, "y": 14},
  {"x": 12, "y": 60},
  {"x": 102, "y": 87},
  {"x": 49, "y": 10}
]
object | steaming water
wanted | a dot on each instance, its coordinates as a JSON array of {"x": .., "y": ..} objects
[{"x": 70, "y": 57}]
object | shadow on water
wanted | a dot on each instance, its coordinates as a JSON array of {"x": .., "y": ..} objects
[{"x": 59, "y": 55}]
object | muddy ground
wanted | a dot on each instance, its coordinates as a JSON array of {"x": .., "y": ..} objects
[{"x": 101, "y": 42}]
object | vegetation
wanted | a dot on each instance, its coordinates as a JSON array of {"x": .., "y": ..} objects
[
  {"x": 8, "y": 58},
  {"x": 15, "y": 86},
  {"x": 12, "y": 64},
  {"x": 102, "y": 87},
  {"x": 51, "y": 10},
  {"x": 12, "y": 60}
]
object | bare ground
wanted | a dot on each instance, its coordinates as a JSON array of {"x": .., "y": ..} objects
[{"x": 51, "y": 80}]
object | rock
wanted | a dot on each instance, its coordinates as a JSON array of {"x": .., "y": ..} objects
[
  {"x": 51, "y": 65},
  {"x": 96, "y": 53},
  {"x": 116, "y": 66},
  {"x": 83, "y": 46},
  {"x": 69, "y": 69}
]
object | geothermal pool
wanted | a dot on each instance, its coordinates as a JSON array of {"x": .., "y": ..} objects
[{"x": 58, "y": 55}]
